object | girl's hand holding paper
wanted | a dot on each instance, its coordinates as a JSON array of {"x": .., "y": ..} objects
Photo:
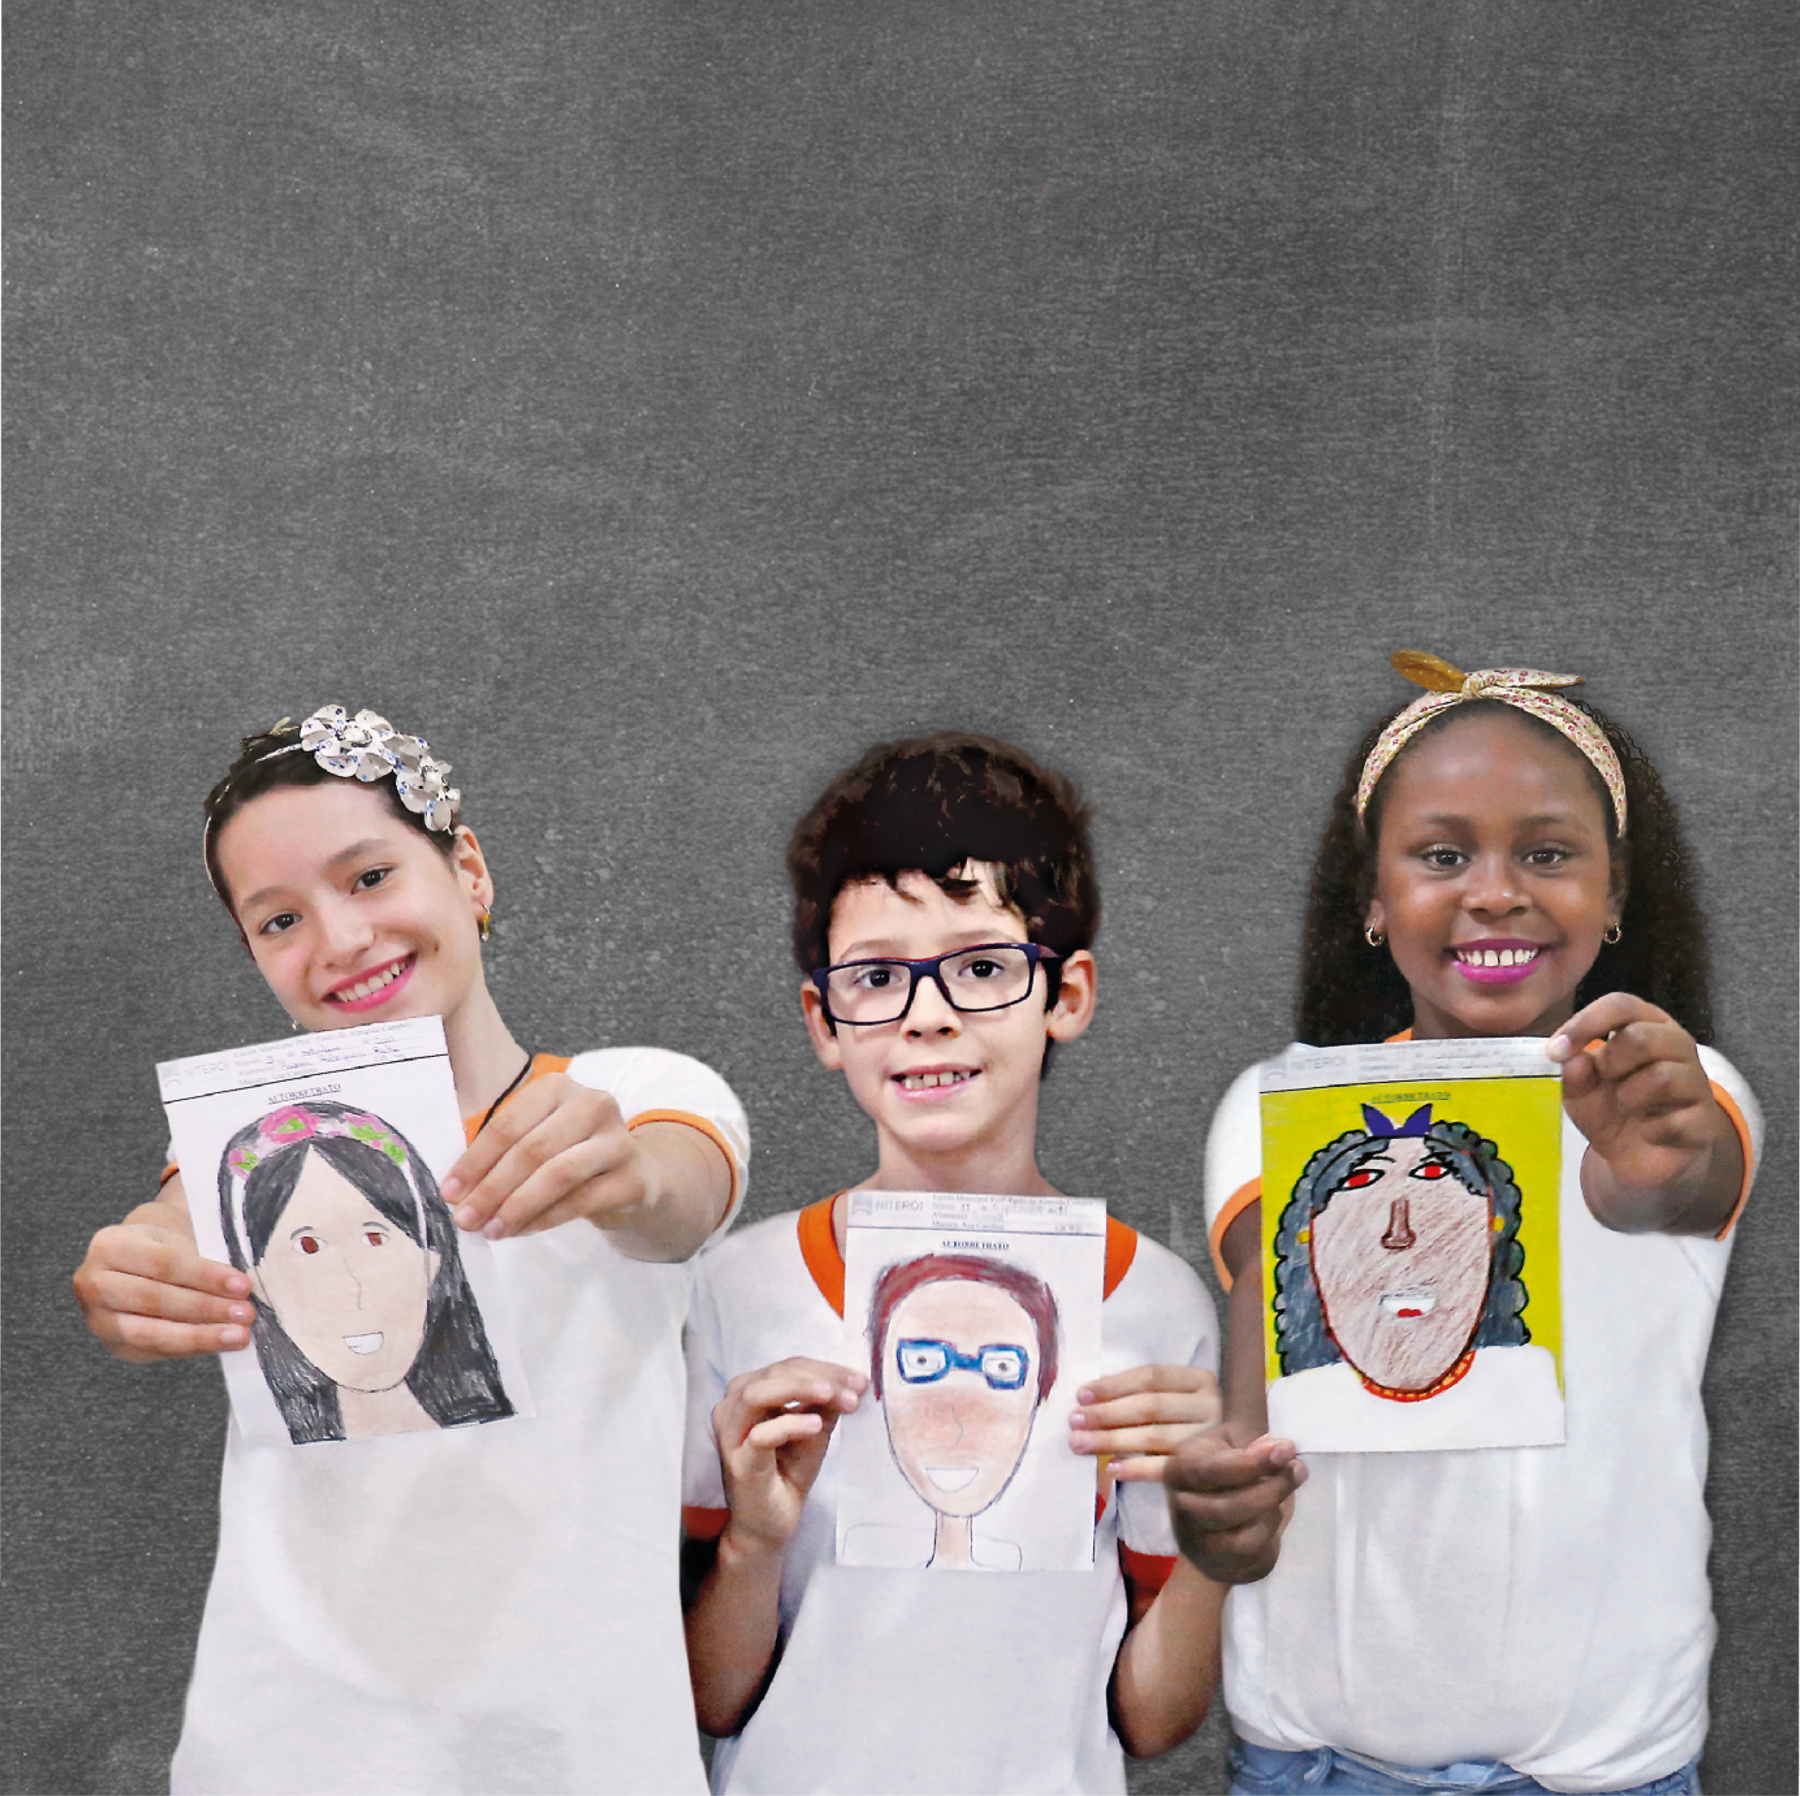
[
  {"x": 1662, "y": 1153},
  {"x": 149, "y": 1295},
  {"x": 559, "y": 1150}
]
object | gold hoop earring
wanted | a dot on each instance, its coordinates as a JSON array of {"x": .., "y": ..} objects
[
  {"x": 1612, "y": 935},
  {"x": 1373, "y": 936},
  {"x": 482, "y": 923}
]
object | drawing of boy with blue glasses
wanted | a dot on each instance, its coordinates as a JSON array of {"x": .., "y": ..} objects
[
  {"x": 945, "y": 908},
  {"x": 971, "y": 1347}
]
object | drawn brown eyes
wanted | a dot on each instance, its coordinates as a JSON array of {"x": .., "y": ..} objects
[
  {"x": 374, "y": 1237},
  {"x": 307, "y": 1244}
]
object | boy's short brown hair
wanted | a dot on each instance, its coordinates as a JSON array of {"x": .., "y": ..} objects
[{"x": 932, "y": 804}]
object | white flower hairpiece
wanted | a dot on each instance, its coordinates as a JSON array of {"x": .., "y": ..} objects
[{"x": 368, "y": 748}]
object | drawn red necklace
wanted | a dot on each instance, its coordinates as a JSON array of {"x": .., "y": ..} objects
[{"x": 1455, "y": 1375}]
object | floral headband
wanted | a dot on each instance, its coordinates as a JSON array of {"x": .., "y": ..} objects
[
  {"x": 367, "y": 747},
  {"x": 1521, "y": 687},
  {"x": 294, "y": 1123}
]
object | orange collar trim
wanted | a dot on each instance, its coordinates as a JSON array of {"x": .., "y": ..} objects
[
  {"x": 819, "y": 1249},
  {"x": 1455, "y": 1375},
  {"x": 540, "y": 1065}
]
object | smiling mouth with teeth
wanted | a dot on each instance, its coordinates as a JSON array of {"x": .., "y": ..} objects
[
  {"x": 1497, "y": 957},
  {"x": 364, "y": 1343},
  {"x": 931, "y": 1081},
  {"x": 365, "y": 989}
]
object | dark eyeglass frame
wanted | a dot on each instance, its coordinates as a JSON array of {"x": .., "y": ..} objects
[
  {"x": 963, "y": 1362},
  {"x": 931, "y": 969}
]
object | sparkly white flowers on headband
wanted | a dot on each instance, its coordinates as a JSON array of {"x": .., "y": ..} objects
[{"x": 368, "y": 748}]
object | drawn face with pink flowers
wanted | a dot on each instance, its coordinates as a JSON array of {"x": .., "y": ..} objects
[{"x": 322, "y": 1209}]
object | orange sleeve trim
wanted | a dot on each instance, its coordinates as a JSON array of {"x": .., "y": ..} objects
[
  {"x": 1402, "y": 1034},
  {"x": 1121, "y": 1250},
  {"x": 1148, "y": 1571},
  {"x": 1248, "y": 1193},
  {"x": 1729, "y": 1106},
  {"x": 711, "y": 1131},
  {"x": 174, "y": 1166},
  {"x": 819, "y": 1249},
  {"x": 703, "y": 1524}
]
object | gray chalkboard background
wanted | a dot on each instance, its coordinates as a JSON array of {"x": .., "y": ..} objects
[{"x": 654, "y": 401}]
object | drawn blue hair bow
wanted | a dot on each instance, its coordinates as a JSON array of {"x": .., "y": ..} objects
[{"x": 1418, "y": 1124}]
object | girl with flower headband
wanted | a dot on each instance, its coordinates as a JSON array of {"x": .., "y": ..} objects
[
  {"x": 488, "y": 1607},
  {"x": 1500, "y": 859}
]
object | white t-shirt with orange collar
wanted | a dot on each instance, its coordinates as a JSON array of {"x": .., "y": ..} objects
[
  {"x": 486, "y": 1608},
  {"x": 912, "y": 1680},
  {"x": 1543, "y": 1606}
]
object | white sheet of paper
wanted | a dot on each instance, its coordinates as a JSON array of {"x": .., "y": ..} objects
[
  {"x": 964, "y": 1462},
  {"x": 356, "y": 1284}
]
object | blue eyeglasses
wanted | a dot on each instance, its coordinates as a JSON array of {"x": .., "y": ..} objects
[
  {"x": 925, "y": 1362},
  {"x": 992, "y": 977}
]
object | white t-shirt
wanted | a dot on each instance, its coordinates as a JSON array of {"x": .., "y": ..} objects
[
  {"x": 490, "y": 1608},
  {"x": 912, "y": 1680},
  {"x": 1543, "y": 1606}
]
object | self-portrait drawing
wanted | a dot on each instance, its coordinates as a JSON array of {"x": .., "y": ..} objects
[
  {"x": 365, "y": 1322},
  {"x": 1399, "y": 1280},
  {"x": 962, "y": 1354}
]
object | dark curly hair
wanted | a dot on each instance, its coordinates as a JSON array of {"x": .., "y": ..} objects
[
  {"x": 932, "y": 804},
  {"x": 1350, "y": 993},
  {"x": 260, "y": 767}
]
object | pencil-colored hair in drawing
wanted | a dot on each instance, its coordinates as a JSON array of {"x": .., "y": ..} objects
[{"x": 357, "y": 1281}]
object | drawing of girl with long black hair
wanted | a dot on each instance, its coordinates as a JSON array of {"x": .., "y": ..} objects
[{"x": 365, "y": 1322}]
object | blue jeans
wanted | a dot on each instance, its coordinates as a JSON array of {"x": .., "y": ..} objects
[{"x": 1264, "y": 1771}]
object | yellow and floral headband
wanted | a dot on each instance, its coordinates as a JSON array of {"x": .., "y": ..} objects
[{"x": 1521, "y": 687}]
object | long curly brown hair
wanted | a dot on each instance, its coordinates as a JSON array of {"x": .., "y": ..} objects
[{"x": 1350, "y": 992}]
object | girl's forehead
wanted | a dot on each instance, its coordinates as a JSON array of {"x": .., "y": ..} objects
[
  {"x": 1492, "y": 761},
  {"x": 286, "y": 833}
]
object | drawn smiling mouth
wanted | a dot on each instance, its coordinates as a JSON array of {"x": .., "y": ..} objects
[
  {"x": 951, "y": 1477},
  {"x": 1408, "y": 1303},
  {"x": 364, "y": 1343}
]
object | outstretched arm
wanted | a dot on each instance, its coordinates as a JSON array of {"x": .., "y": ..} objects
[
  {"x": 559, "y": 1150},
  {"x": 148, "y": 1294},
  {"x": 773, "y": 1427},
  {"x": 1662, "y": 1153}
]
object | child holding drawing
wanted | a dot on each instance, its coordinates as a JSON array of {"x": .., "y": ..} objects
[
  {"x": 945, "y": 903},
  {"x": 476, "y": 1607},
  {"x": 1501, "y": 860}
]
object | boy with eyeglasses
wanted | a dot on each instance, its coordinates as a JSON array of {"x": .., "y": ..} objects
[{"x": 944, "y": 906}]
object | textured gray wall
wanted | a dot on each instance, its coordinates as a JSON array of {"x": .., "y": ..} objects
[{"x": 656, "y": 400}]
